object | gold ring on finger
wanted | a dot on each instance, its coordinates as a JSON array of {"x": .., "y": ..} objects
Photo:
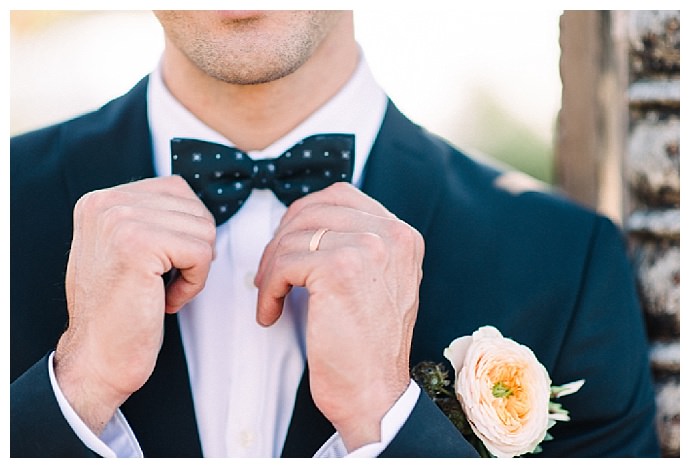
[{"x": 316, "y": 239}]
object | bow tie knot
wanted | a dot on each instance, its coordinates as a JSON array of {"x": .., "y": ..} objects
[{"x": 224, "y": 177}]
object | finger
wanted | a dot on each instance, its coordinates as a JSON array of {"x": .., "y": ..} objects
[
  {"x": 339, "y": 194},
  {"x": 172, "y": 185},
  {"x": 291, "y": 269},
  {"x": 162, "y": 201},
  {"x": 345, "y": 218},
  {"x": 191, "y": 257},
  {"x": 335, "y": 218},
  {"x": 192, "y": 225},
  {"x": 299, "y": 243},
  {"x": 93, "y": 203},
  {"x": 188, "y": 282}
]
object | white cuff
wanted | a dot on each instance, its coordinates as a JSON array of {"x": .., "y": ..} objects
[
  {"x": 117, "y": 439},
  {"x": 391, "y": 423}
]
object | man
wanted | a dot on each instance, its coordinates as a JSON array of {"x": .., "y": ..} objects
[{"x": 291, "y": 331}]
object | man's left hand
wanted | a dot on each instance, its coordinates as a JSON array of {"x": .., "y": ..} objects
[{"x": 363, "y": 283}]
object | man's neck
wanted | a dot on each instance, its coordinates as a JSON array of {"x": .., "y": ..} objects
[{"x": 254, "y": 116}]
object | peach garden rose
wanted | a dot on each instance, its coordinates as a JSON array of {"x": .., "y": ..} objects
[{"x": 503, "y": 389}]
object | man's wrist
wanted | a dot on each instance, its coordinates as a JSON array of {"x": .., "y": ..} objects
[
  {"x": 389, "y": 427},
  {"x": 117, "y": 438},
  {"x": 364, "y": 426},
  {"x": 87, "y": 401}
]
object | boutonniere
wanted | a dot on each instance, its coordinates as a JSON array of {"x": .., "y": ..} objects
[{"x": 502, "y": 397}]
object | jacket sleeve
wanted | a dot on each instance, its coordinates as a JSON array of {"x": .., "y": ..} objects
[
  {"x": 37, "y": 426},
  {"x": 428, "y": 433}
]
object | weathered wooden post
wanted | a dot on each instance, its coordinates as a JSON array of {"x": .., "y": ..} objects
[{"x": 618, "y": 151}]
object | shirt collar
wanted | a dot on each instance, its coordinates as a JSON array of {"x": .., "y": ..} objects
[{"x": 358, "y": 108}]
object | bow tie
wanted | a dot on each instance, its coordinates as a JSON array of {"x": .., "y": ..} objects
[{"x": 224, "y": 177}]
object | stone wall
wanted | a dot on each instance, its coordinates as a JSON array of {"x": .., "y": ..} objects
[
  {"x": 618, "y": 151},
  {"x": 652, "y": 177}
]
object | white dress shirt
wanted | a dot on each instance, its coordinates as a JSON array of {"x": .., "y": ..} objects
[{"x": 231, "y": 359}]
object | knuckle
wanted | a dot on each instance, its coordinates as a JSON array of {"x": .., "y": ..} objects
[
  {"x": 406, "y": 236},
  {"x": 91, "y": 202},
  {"x": 303, "y": 207},
  {"x": 280, "y": 263},
  {"x": 203, "y": 252},
  {"x": 401, "y": 234},
  {"x": 177, "y": 181},
  {"x": 340, "y": 187},
  {"x": 314, "y": 210},
  {"x": 126, "y": 247},
  {"x": 296, "y": 207},
  {"x": 348, "y": 262},
  {"x": 406, "y": 239},
  {"x": 421, "y": 244},
  {"x": 208, "y": 230},
  {"x": 283, "y": 243},
  {"x": 123, "y": 232},
  {"x": 303, "y": 213},
  {"x": 338, "y": 191},
  {"x": 375, "y": 246},
  {"x": 332, "y": 189},
  {"x": 117, "y": 216},
  {"x": 418, "y": 240}
]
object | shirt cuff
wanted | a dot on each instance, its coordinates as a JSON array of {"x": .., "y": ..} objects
[
  {"x": 117, "y": 438},
  {"x": 391, "y": 423}
]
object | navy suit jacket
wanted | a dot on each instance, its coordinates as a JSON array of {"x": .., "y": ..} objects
[{"x": 545, "y": 272}]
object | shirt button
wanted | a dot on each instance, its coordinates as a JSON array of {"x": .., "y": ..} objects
[
  {"x": 246, "y": 439},
  {"x": 249, "y": 279}
]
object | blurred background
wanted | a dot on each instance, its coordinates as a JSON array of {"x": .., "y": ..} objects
[{"x": 488, "y": 81}]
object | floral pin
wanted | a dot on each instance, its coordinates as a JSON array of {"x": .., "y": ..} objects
[{"x": 502, "y": 394}]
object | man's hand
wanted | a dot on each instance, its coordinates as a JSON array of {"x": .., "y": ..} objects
[
  {"x": 125, "y": 238},
  {"x": 363, "y": 284}
]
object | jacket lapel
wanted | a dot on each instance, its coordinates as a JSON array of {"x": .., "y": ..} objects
[
  {"x": 309, "y": 428},
  {"x": 161, "y": 413},
  {"x": 112, "y": 148},
  {"x": 399, "y": 174}
]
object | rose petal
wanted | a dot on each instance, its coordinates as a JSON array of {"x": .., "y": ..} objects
[
  {"x": 456, "y": 351},
  {"x": 488, "y": 332}
]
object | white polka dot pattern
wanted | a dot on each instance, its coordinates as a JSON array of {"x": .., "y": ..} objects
[{"x": 224, "y": 177}]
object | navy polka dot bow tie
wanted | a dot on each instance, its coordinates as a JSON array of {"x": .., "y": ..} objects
[{"x": 224, "y": 177}]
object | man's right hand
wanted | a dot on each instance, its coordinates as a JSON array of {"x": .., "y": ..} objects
[{"x": 125, "y": 238}]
